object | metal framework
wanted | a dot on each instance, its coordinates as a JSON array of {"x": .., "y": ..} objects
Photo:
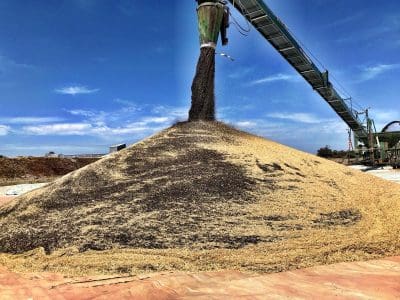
[{"x": 275, "y": 32}]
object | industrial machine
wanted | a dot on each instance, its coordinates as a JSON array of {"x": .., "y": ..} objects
[
  {"x": 213, "y": 19},
  {"x": 371, "y": 146}
]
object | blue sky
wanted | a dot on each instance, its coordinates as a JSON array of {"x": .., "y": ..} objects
[{"x": 79, "y": 75}]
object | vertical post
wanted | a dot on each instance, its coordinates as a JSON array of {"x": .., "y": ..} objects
[
  {"x": 370, "y": 138},
  {"x": 350, "y": 146},
  {"x": 356, "y": 147}
]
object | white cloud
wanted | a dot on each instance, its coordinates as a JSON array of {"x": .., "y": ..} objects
[
  {"x": 240, "y": 73},
  {"x": 83, "y": 129},
  {"x": 308, "y": 136},
  {"x": 246, "y": 124},
  {"x": 76, "y": 90},
  {"x": 129, "y": 129},
  {"x": 108, "y": 124},
  {"x": 123, "y": 114},
  {"x": 127, "y": 105},
  {"x": 170, "y": 111},
  {"x": 127, "y": 121},
  {"x": 29, "y": 120},
  {"x": 157, "y": 120},
  {"x": 59, "y": 129},
  {"x": 82, "y": 112},
  {"x": 298, "y": 117},
  {"x": 43, "y": 148},
  {"x": 371, "y": 72},
  {"x": 4, "y": 130},
  {"x": 384, "y": 117},
  {"x": 274, "y": 78},
  {"x": 381, "y": 118}
]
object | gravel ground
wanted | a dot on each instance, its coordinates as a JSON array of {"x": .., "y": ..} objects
[
  {"x": 16, "y": 190},
  {"x": 387, "y": 172}
]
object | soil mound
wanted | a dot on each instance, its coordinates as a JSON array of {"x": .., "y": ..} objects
[
  {"x": 23, "y": 169},
  {"x": 205, "y": 195}
]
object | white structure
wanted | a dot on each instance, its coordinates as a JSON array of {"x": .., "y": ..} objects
[{"x": 117, "y": 148}]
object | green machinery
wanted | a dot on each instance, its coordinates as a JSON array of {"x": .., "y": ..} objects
[
  {"x": 213, "y": 19},
  {"x": 387, "y": 145},
  {"x": 371, "y": 146}
]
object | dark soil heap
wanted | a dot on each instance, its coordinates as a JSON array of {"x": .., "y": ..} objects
[
  {"x": 224, "y": 197},
  {"x": 13, "y": 170}
]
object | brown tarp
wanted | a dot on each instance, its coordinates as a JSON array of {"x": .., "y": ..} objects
[{"x": 379, "y": 279}]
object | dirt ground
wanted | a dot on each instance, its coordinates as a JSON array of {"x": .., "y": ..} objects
[
  {"x": 5, "y": 199},
  {"x": 201, "y": 197},
  {"x": 362, "y": 280},
  {"x": 385, "y": 172}
]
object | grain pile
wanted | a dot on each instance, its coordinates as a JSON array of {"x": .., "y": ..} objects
[{"x": 202, "y": 196}]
